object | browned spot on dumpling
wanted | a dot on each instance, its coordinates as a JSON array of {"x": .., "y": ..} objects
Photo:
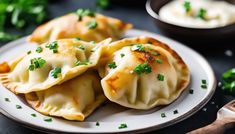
[
  {"x": 4, "y": 67},
  {"x": 75, "y": 100},
  {"x": 110, "y": 81}
]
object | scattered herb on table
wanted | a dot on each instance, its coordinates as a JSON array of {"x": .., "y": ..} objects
[
  {"x": 175, "y": 112},
  {"x": 112, "y": 65},
  {"x": 123, "y": 125},
  {"x": 97, "y": 124},
  {"x": 228, "y": 82},
  {"x": 103, "y": 4},
  {"x": 143, "y": 68},
  {"x": 163, "y": 115},
  {"x": 190, "y": 91}
]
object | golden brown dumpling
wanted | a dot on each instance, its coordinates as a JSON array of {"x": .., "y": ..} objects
[
  {"x": 50, "y": 64},
  {"x": 142, "y": 73},
  {"x": 72, "y": 100},
  {"x": 90, "y": 28}
]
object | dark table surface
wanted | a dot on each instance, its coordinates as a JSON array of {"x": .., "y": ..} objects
[{"x": 213, "y": 51}]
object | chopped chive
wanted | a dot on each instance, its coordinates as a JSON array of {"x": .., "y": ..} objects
[
  {"x": 123, "y": 125},
  {"x": 55, "y": 73},
  {"x": 155, "y": 54},
  {"x": 7, "y": 99},
  {"x": 39, "y": 50},
  {"x": 201, "y": 13},
  {"x": 112, "y": 65},
  {"x": 175, "y": 112},
  {"x": 18, "y": 107},
  {"x": 29, "y": 52},
  {"x": 36, "y": 63},
  {"x": 143, "y": 68},
  {"x": 78, "y": 63},
  {"x": 34, "y": 115},
  {"x": 204, "y": 86},
  {"x": 103, "y": 4},
  {"x": 191, "y": 91},
  {"x": 48, "y": 119},
  {"x": 138, "y": 47},
  {"x": 77, "y": 38},
  {"x": 84, "y": 12},
  {"x": 122, "y": 55},
  {"x": 160, "y": 77},
  {"x": 163, "y": 115},
  {"x": 204, "y": 82},
  {"x": 187, "y": 6},
  {"x": 92, "y": 24},
  {"x": 93, "y": 42},
  {"x": 97, "y": 124},
  {"x": 82, "y": 47},
  {"x": 159, "y": 61},
  {"x": 53, "y": 46}
]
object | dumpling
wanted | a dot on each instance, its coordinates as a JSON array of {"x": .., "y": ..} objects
[
  {"x": 72, "y": 100},
  {"x": 90, "y": 27},
  {"x": 142, "y": 73},
  {"x": 50, "y": 64}
]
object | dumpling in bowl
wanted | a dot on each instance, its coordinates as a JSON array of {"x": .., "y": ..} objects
[
  {"x": 85, "y": 24},
  {"x": 142, "y": 73},
  {"x": 72, "y": 100},
  {"x": 50, "y": 64}
]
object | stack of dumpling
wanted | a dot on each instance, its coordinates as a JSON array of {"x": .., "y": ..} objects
[{"x": 70, "y": 78}]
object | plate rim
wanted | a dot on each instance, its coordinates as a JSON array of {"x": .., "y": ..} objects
[{"x": 146, "y": 129}]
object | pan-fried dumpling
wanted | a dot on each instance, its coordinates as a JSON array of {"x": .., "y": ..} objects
[
  {"x": 142, "y": 73},
  {"x": 73, "y": 100},
  {"x": 50, "y": 64},
  {"x": 87, "y": 25}
]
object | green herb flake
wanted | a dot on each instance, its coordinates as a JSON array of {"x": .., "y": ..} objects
[
  {"x": 18, "y": 107},
  {"x": 163, "y": 115},
  {"x": 228, "y": 82},
  {"x": 191, "y": 91},
  {"x": 79, "y": 63},
  {"x": 123, "y": 125},
  {"x": 92, "y": 24},
  {"x": 122, "y": 55},
  {"x": 84, "y": 12},
  {"x": 160, "y": 77},
  {"x": 201, "y": 13},
  {"x": 204, "y": 86},
  {"x": 53, "y": 46},
  {"x": 34, "y": 115},
  {"x": 138, "y": 47},
  {"x": 187, "y": 6},
  {"x": 36, "y": 63},
  {"x": 112, "y": 65},
  {"x": 48, "y": 119},
  {"x": 7, "y": 99},
  {"x": 159, "y": 61},
  {"x": 103, "y": 4},
  {"x": 143, "y": 68},
  {"x": 29, "y": 52},
  {"x": 175, "y": 112},
  {"x": 77, "y": 38},
  {"x": 204, "y": 82},
  {"x": 97, "y": 124},
  {"x": 39, "y": 50},
  {"x": 56, "y": 72},
  {"x": 155, "y": 54},
  {"x": 82, "y": 47}
]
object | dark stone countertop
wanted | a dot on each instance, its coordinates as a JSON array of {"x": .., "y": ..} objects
[{"x": 214, "y": 52}]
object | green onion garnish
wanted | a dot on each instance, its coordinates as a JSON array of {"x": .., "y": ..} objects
[
  {"x": 191, "y": 91},
  {"x": 204, "y": 86},
  {"x": 138, "y": 47},
  {"x": 92, "y": 24},
  {"x": 160, "y": 77},
  {"x": 34, "y": 115},
  {"x": 155, "y": 54},
  {"x": 112, "y": 65},
  {"x": 48, "y": 119},
  {"x": 123, "y": 125},
  {"x": 39, "y": 50},
  {"x": 103, "y": 4},
  {"x": 204, "y": 82},
  {"x": 187, "y": 6},
  {"x": 163, "y": 115},
  {"x": 159, "y": 61},
  {"x": 97, "y": 124},
  {"x": 122, "y": 55},
  {"x": 143, "y": 68},
  {"x": 79, "y": 63},
  {"x": 56, "y": 72},
  {"x": 84, "y": 12},
  {"x": 53, "y": 46},
  {"x": 175, "y": 112},
  {"x": 7, "y": 99},
  {"x": 29, "y": 52},
  {"x": 36, "y": 63},
  {"x": 18, "y": 107},
  {"x": 201, "y": 13}
]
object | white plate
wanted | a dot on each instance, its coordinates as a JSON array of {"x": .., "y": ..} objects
[{"x": 110, "y": 116}]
